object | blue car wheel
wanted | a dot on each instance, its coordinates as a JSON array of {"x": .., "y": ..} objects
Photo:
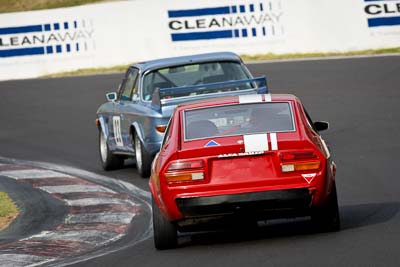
[
  {"x": 108, "y": 160},
  {"x": 143, "y": 158}
]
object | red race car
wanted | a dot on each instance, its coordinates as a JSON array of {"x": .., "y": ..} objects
[{"x": 246, "y": 157}]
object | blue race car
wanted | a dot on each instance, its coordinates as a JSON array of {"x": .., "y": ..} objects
[{"x": 133, "y": 121}]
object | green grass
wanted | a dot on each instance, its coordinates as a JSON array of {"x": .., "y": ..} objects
[
  {"x": 7, "y": 206},
  {"x": 8, "y": 210},
  {"x": 246, "y": 58},
  {"x": 7, "y": 6}
]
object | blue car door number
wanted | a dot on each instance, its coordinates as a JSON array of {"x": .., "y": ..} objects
[{"x": 117, "y": 130}]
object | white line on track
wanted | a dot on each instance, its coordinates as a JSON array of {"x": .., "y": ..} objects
[
  {"x": 62, "y": 189},
  {"x": 115, "y": 217},
  {"x": 17, "y": 260},
  {"x": 93, "y": 237},
  {"x": 98, "y": 201},
  {"x": 32, "y": 174}
]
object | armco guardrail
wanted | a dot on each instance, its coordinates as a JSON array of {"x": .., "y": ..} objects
[{"x": 42, "y": 42}]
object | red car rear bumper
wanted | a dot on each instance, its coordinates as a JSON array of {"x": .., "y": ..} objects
[
  {"x": 270, "y": 198},
  {"x": 246, "y": 203}
]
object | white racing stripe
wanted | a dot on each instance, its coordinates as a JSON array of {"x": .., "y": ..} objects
[
  {"x": 274, "y": 141},
  {"x": 93, "y": 237},
  {"x": 115, "y": 217},
  {"x": 62, "y": 189},
  {"x": 33, "y": 174},
  {"x": 16, "y": 260},
  {"x": 98, "y": 201},
  {"x": 255, "y": 142},
  {"x": 328, "y": 154},
  {"x": 243, "y": 99}
]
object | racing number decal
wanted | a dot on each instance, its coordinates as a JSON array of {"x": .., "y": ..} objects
[
  {"x": 255, "y": 142},
  {"x": 259, "y": 142},
  {"x": 117, "y": 130}
]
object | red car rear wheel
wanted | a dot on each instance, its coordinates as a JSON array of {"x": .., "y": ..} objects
[
  {"x": 327, "y": 217},
  {"x": 165, "y": 232}
]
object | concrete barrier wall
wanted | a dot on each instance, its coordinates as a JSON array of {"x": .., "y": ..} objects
[{"x": 100, "y": 35}]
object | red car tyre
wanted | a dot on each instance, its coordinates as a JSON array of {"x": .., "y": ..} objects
[
  {"x": 327, "y": 217},
  {"x": 165, "y": 232}
]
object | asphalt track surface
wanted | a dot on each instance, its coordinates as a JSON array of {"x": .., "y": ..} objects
[
  {"x": 38, "y": 210},
  {"x": 52, "y": 120}
]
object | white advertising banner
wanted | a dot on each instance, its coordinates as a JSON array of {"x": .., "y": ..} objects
[{"x": 36, "y": 43}]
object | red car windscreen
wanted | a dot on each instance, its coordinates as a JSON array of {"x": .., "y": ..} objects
[{"x": 239, "y": 119}]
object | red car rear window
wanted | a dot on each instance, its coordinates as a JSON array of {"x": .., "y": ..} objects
[{"x": 238, "y": 119}]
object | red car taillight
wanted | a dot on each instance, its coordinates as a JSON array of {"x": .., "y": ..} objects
[
  {"x": 285, "y": 156},
  {"x": 299, "y": 161},
  {"x": 185, "y": 171}
]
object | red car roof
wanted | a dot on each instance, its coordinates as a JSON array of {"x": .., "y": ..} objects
[{"x": 227, "y": 100}]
